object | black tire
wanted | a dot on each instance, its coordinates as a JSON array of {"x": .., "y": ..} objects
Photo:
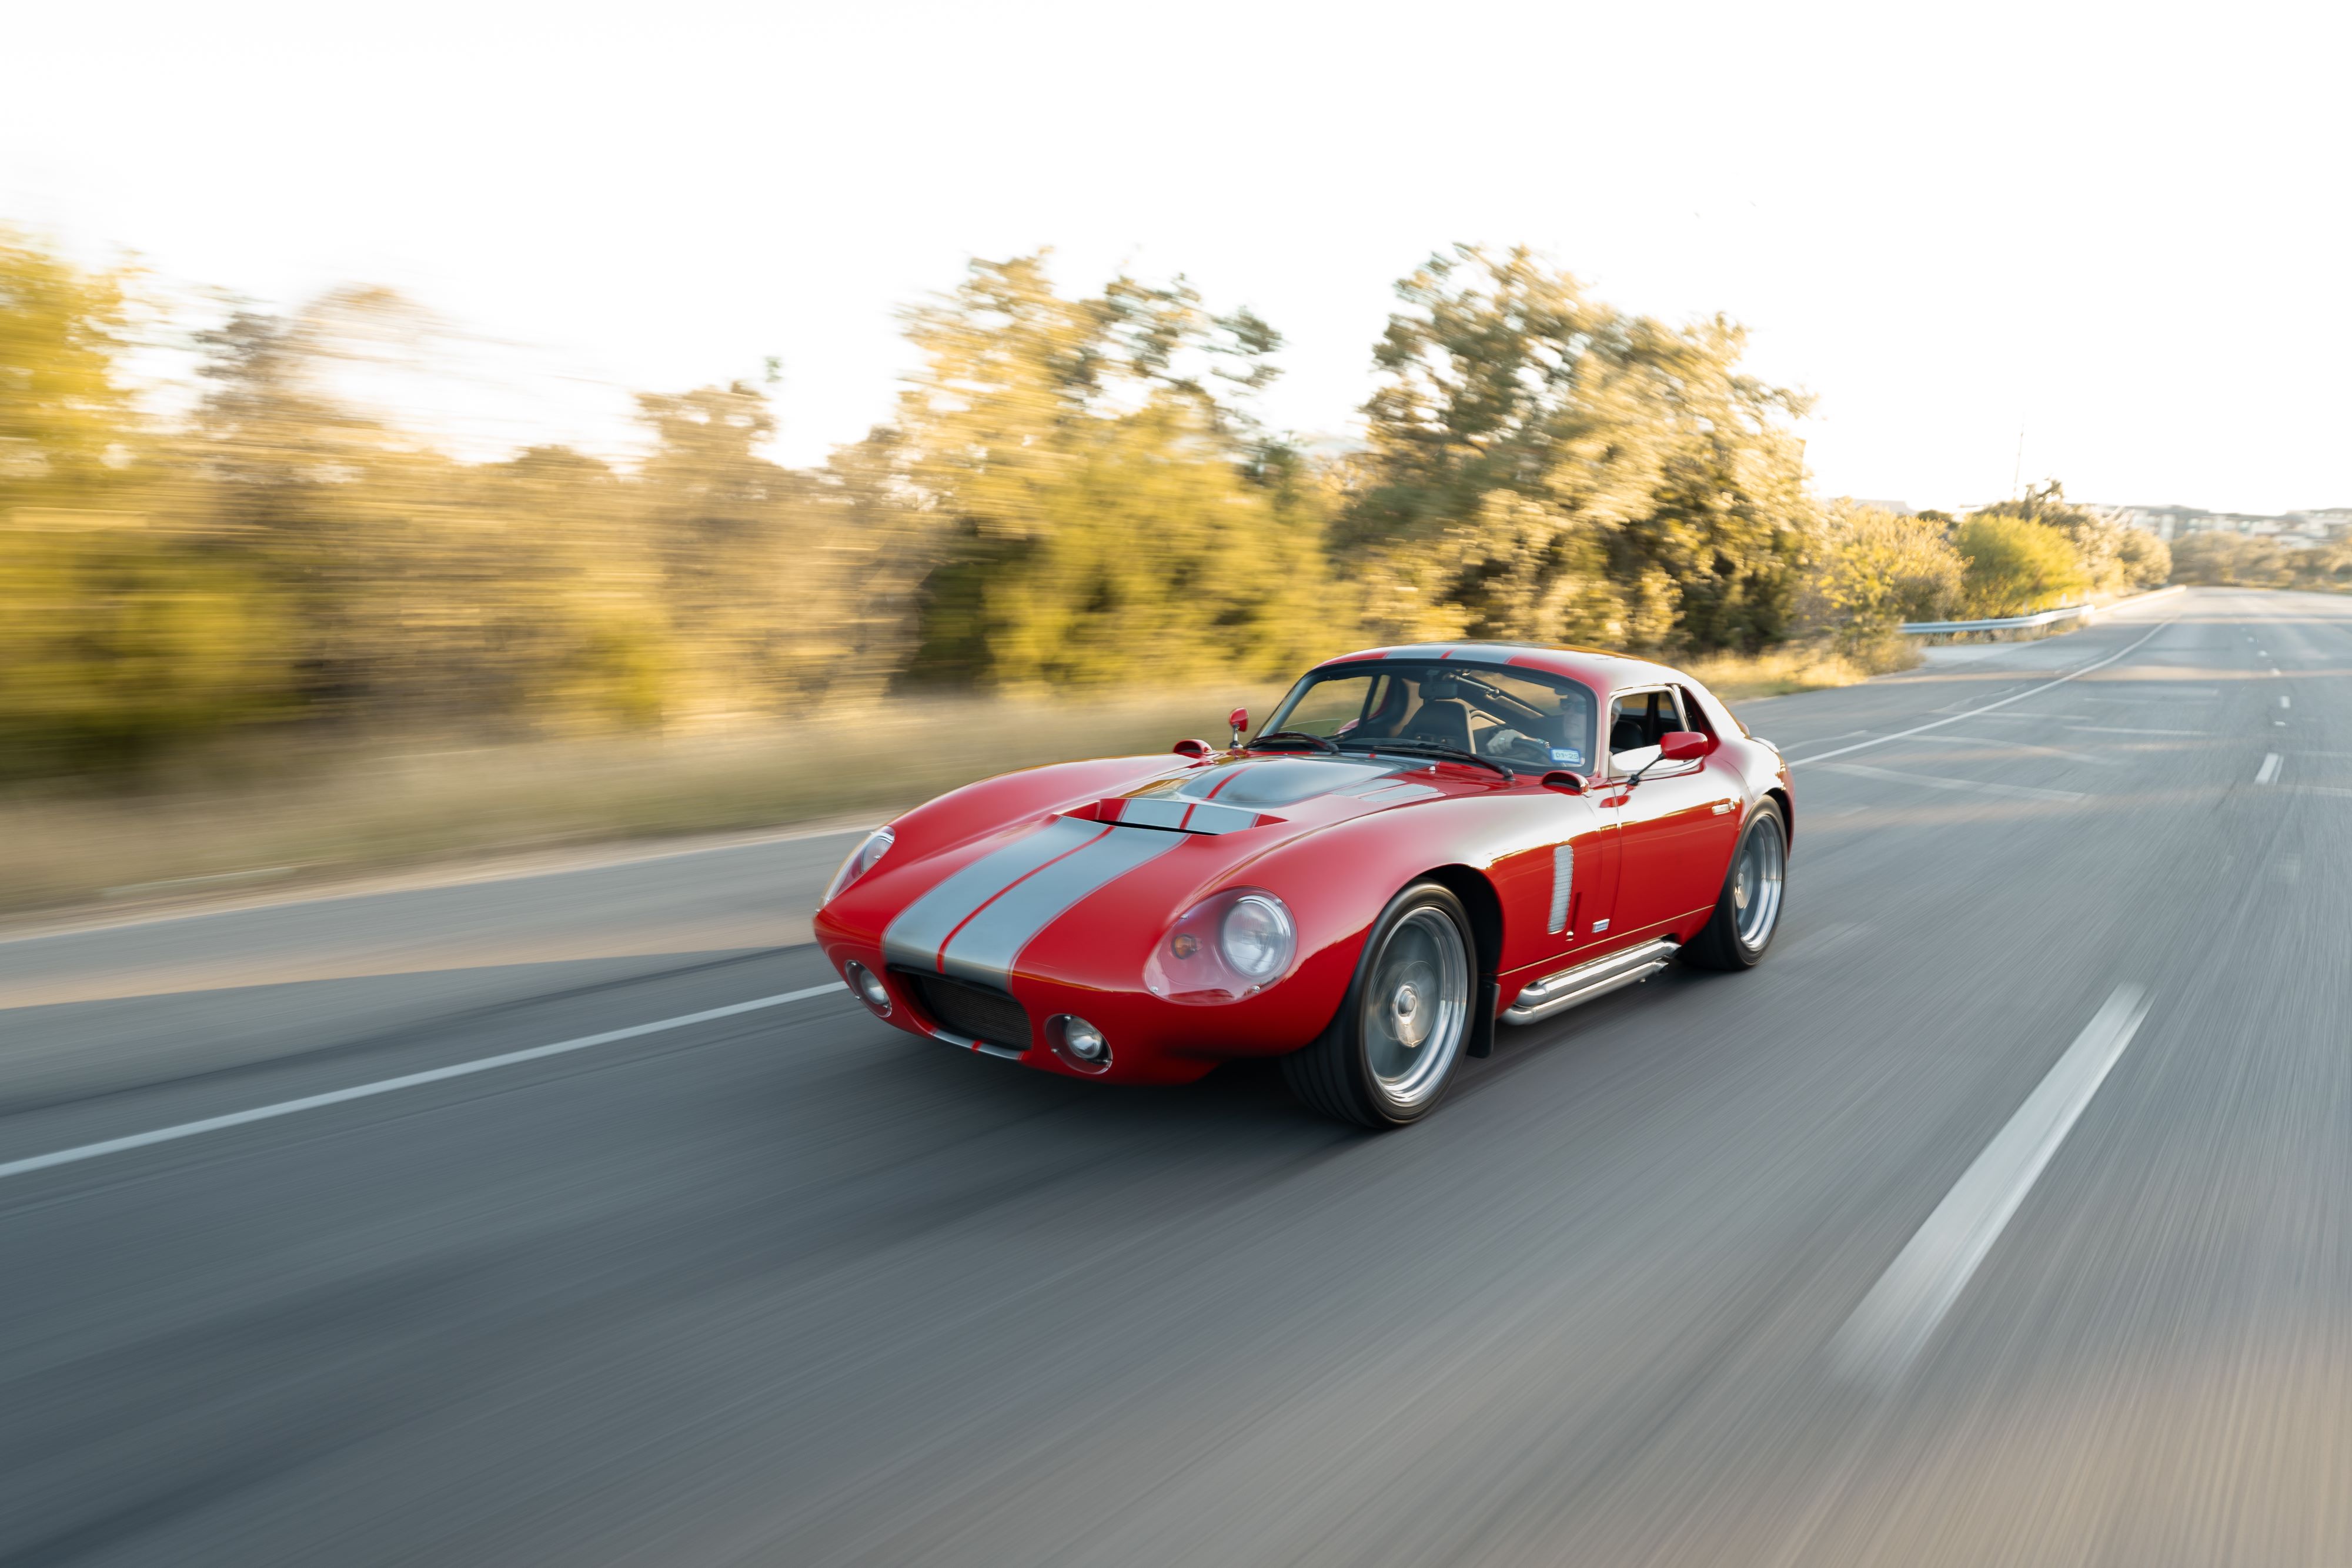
[
  {"x": 1738, "y": 934},
  {"x": 1340, "y": 1074}
]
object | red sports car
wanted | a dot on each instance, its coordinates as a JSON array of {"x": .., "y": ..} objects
[{"x": 1420, "y": 842}]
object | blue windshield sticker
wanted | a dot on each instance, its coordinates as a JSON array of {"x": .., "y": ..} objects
[{"x": 1569, "y": 755}]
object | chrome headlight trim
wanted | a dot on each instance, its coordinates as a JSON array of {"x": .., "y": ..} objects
[{"x": 861, "y": 860}]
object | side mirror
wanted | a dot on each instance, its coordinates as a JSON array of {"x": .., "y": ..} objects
[
  {"x": 1195, "y": 749},
  {"x": 1239, "y": 719},
  {"x": 1682, "y": 745},
  {"x": 1567, "y": 783}
]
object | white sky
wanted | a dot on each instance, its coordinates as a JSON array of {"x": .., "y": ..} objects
[{"x": 2121, "y": 229}]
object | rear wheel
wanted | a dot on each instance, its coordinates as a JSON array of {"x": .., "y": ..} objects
[
  {"x": 1748, "y": 911},
  {"x": 1390, "y": 1053}
]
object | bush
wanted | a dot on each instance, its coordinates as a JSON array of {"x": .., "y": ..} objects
[
  {"x": 2228, "y": 561},
  {"x": 1871, "y": 570},
  {"x": 113, "y": 644},
  {"x": 2016, "y": 567},
  {"x": 2144, "y": 560}
]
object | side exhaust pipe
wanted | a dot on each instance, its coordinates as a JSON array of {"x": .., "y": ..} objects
[{"x": 1558, "y": 993}]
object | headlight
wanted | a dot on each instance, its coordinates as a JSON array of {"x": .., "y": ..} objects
[
  {"x": 1224, "y": 948},
  {"x": 1256, "y": 937},
  {"x": 861, "y": 860}
]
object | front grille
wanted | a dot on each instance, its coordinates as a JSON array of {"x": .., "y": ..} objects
[{"x": 976, "y": 1012}]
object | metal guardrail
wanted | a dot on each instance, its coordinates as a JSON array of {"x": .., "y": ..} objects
[
  {"x": 2021, "y": 622},
  {"x": 2000, "y": 623}
]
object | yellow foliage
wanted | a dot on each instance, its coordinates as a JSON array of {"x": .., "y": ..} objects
[
  {"x": 111, "y": 641},
  {"x": 1872, "y": 569},
  {"x": 2017, "y": 567}
]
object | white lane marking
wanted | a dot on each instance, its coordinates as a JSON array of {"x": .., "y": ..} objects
[
  {"x": 407, "y": 1081},
  {"x": 1974, "y": 787},
  {"x": 586, "y": 860},
  {"x": 2276, "y": 671},
  {"x": 2282, "y": 702},
  {"x": 2268, "y": 773},
  {"x": 2040, "y": 717},
  {"x": 2021, "y": 746},
  {"x": 1891, "y": 1325},
  {"x": 1954, "y": 719}
]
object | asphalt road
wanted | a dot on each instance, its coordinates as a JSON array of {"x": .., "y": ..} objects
[{"x": 787, "y": 1287}]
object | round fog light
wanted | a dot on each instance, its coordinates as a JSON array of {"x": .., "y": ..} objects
[
  {"x": 868, "y": 987},
  {"x": 1081, "y": 1041}
]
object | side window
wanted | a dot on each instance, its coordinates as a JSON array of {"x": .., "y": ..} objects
[
  {"x": 1638, "y": 721},
  {"x": 1633, "y": 730},
  {"x": 1694, "y": 712}
]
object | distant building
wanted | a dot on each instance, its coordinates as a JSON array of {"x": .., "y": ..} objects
[{"x": 2291, "y": 530}]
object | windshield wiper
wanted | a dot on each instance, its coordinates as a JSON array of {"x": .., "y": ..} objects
[
  {"x": 1320, "y": 742},
  {"x": 1414, "y": 746}
]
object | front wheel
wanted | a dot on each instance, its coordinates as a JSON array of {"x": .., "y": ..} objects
[
  {"x": 1390, "y": 1053},
  {"x": 1748, "y": 911}
]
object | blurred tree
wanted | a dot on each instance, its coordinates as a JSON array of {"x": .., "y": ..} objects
[
  {"x": 2143, "y": 561},
  {"x": 69, "y": 428},
  {"x": 115, "y": 637},
  {"x": 1099, "y": 513},
  {"x": 114, "y": 643},
  {"x": 2232, "y": 560},
  {"x": 1540, "y": 465}
]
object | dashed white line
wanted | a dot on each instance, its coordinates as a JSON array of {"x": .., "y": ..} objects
[
  {"x": 2030, "y": 719},
  {"x": 1971, "y": 786},
  {"x": 1891, "y": 1325},
  {"x": 1954, "y": 719},
  {"x": 2268, "y": 772},
  {"x": 2021, "y": 746},
  {"x": 2120, "y": 729},
  {"x": 407, "y": 1081},
  {"x": 2282, "y": 702}
]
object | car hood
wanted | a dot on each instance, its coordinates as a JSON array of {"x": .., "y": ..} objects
[
  {"x": 977, "y": 875},
  {"x": 1233, "y": 794}
]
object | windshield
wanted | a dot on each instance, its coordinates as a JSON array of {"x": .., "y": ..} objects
[{"x": 1524, "y": 718}]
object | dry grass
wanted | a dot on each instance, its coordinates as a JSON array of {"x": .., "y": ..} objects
[
  {"x": 380, "y": 806},
  {"x": 272, "y": 820},
  {"x": 1800, "y": 667}
]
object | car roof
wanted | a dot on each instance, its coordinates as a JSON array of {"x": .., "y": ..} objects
[{"x": 1605, "y": 671}]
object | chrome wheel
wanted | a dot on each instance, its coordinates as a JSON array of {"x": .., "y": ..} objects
[
  {"x": 1756, "y": 884},
  {"x": 1417, "y": 1005}
]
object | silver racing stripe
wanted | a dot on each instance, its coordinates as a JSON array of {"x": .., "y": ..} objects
[
  {"x": 921, "y": 928},
  {"x": 985, "y": 948}
]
